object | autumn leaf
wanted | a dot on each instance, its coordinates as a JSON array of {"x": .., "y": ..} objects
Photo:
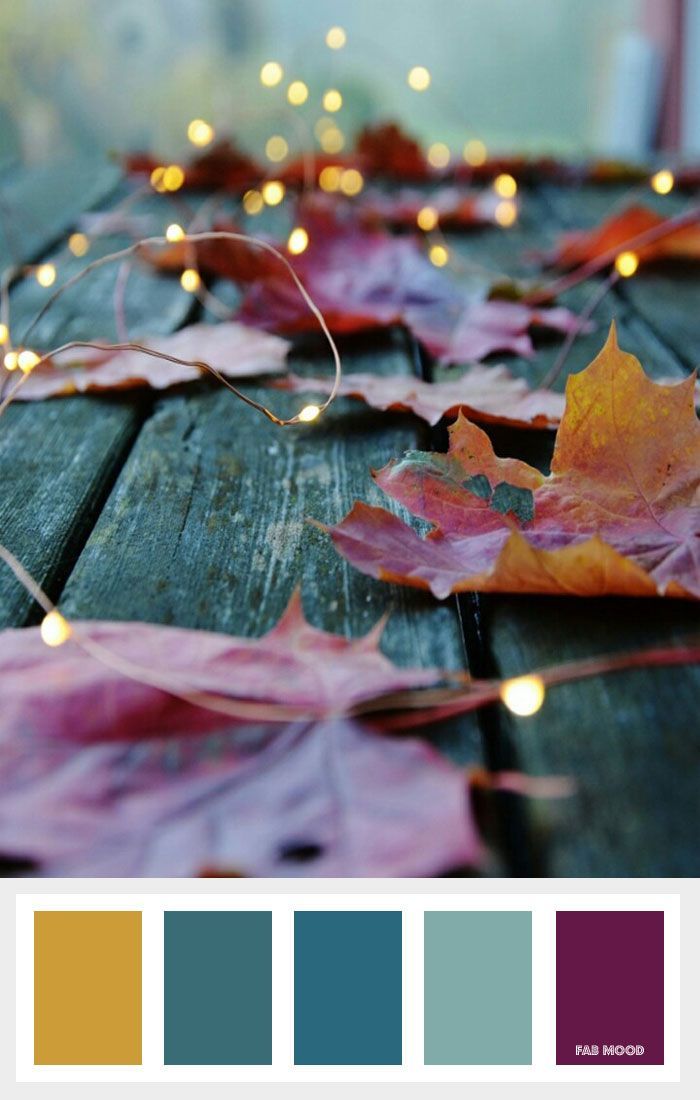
[
  {"x": 234, "y": 350},
  {"x": 619, "y": 231},
  {"x": 239, "y": 261},
  {"x": 489, "y": 394},
  {"x": 617, "y": 515},
  {"x": 297, "y": 171},
  {"x": 388, "y": 151},
  {"x": 223, "y": 167}
]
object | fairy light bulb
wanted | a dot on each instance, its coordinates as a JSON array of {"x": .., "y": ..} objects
[
  {"x": 10, "y": 361},
  {"x": 309, "y": 413},
  {"x": 271, "y": 74},
  {"x": 200, "y": 132},
  {"x": 174, "y": 233},
  {"x": 332, "y": 140},
  {"x": 190, "y": 280},
  {"x": 45, "y": 275},
  {"x": 427, "y": 218},
  {"x": 276, "y": 148},
  {"x": 438, "y": 255},
  {"x": 438, "y": 154},
  {"x": 298, "y": 241},
  {"x": 505, "y": 186},
  {"x": 253, "y": 202},
  {"x": 626, "y": 263},
  {"x": 157, "y": 178},
  {"x": 329, "y": 178},
  {"x": 78, "y": 243},
  {"x": 351, "y": 181},
  {"x": 4, "y": 333},
  {"x": 662, "y": 182},
  {"x": 418, "y": 78},
  {"x": 273, "y": 192},
  {"x": 321, "y": 125},
  {"x": 475, "y": 153},
  {"x": 54, "y": 629},
  {"x": 173, "y": 177},
  {"x": 506, "y": 213},
  {"x": 524, "y": 695},
  {"x": 332, "y": 100},
  {"x": 297, "y": 93},
  {"x": 27, "y": 360},
  {"x": 336, "y": 38}
]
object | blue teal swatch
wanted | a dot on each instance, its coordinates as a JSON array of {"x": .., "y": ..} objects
[
  {"x": 347, "y": 989},
  {"x": 478, "y": 989},
  {"x": 218, "y": 989}
]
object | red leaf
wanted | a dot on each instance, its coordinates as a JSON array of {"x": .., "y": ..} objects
[
  {"x": 619, "y": 231},
  {"x": 388, "y": 151},
  {"x": 223, "y": 167}
]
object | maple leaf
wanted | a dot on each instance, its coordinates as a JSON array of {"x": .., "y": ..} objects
[
  {"x": 489, "y": 394},
  {"x": 239, "y": 261},
  {"x": 617, "y": 515},
  {"x": 388, "y": 151},
  {"x": 103, "y": 775},
  {"x": 223, "y": 167},
  {"x": 619, "y": 231},
  {"x": 455, "y": 208},
  {"x": 234, "y": 350}
]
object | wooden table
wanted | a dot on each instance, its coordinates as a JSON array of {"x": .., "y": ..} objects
[{"x": 187, "y": 508}]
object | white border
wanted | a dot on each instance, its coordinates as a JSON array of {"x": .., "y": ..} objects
[{"x": 543, "y": 907}]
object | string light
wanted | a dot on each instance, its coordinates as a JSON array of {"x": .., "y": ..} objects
[
  {"x": 297, "y": 241},
  {"x": 10, "y": 360},
  {"x": 157, "y": 178},
  {"x": 45, "y": 274},
  {"x": 438, "y": 154},
  {"x": 505, "y": 186},
  {"x": 332, "y": 140},
  {"x": 418, "y": 78},
  {"x": 27, "y": 360},
  {"x": 309, "y": 413},
  {"x": 427, "y": 218},
  {"x": 174, "y": 232},
  {"x": 276, "y": 148},
  {"x": 506, "y": 213},
  {"x": 78, "y": 244},
  {"x": 332, "y": 100},
  {"x": 321, "y": 125},
  {"x": 438, "y": 255},
  {"x": 54, "y": 629},
  {"x": 663, "y": 181},
  {"x": 4, "y": 333},
  {"x": 273, "y": 192},
  {"x": 329, "y": 178},
  {"x": 297, "y": 93},
  {"x": 271, "y": 74},
  {"x": 475, "y": 153},
  {"x": 351, "y": 181},
  {"x": 336, "y": 38},
  {"x": 173, "y": 177},
  {"x": 626, "y": 263},
  {"x": 200, "y": 132},
  {"x": 253, "y": 202},
  {"x": 190, "y": 280},
  {"x": 524, "y": 695}
]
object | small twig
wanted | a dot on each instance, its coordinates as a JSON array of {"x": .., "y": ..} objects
[{"x": 571, "y": 337}]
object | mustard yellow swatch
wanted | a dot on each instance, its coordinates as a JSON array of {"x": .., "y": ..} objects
[{"x": 87, "y": 988}]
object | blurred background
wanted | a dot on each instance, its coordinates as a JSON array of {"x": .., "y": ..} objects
[{"x": 618, "y": 77}]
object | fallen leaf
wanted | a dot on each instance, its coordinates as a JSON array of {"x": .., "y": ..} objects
[
  {"x": 618, "y": 233},
  {"x": 388, "y": 151},
  {"x": 223, "y": 167},
  {"x": 234, "y": 350},
  {"x": 299, "y": 170},
  {"x": 617, "y": 515},
  {"x": 240, "y": 261},
  {"x": 489, "y": 394}
]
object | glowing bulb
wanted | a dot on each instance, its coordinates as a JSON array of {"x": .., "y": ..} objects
[
  {"x": 351, "y": 181},
  {"x": 78, "y": 244},
  {"x": 190, "y": 280},
  {"x": 27, "y": 360},
  {"x": 10, "y": 360},
  {"x": 273, "y": 192},
  {"x": 626, "y": 263},
  {"x": 45, "y": 274},
  {"x": 322, "y": 125},
  {"x": 663, "y": 181},
  {"x": 54, "y": 629},
  {"x": 174, "y": 232},
  {"x": 157, "y": 178},
  {"x": 332, "y": 140},
  {"x": 438, "y": 255},
  {"x": 308, "y": 413},
  {"x": 336, "y": 38},
  {"x": 524, "y": 695},
  {"x": 332, "y": 100},
  {"x": 297, "y": 93},
  {"x": 173, "y": 177},
  {"x": 297, "y": 241},
  {"x": 200, "y": 132},
  {"x": 427, "y": 218},
  {"x": 271, "y": 74},
  {"x": 329, "y": 178},
  {"x": 505, "y": 186},
  {"x": 276, "y": 148},
  {"x": 418, "y": 78},
  {"x": 474, "y": 153},
  {"x": 506, "y": 213},
  {"x": 438, "y": 155},
  {"x": 253, "y": 202},
  {"x": 4, "y": 333}
]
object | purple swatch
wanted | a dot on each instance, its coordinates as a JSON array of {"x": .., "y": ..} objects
[{"x": 610, "y": 988}]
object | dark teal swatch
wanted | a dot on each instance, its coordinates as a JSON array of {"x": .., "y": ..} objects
[
  {"x": 218, "y": 989},
  {"x": 347, "y": 989},
  {"x": 478, "y": 989}
]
